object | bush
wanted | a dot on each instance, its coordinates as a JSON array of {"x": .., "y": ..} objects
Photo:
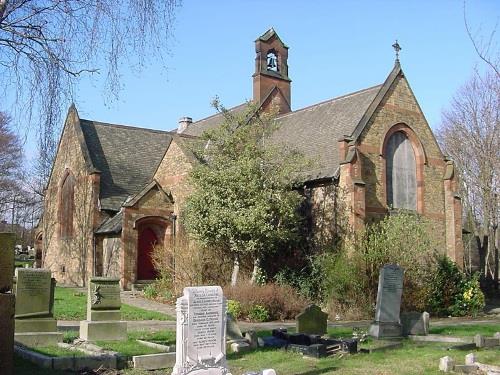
[
  {"x": 280, "y": 301},
  {"x": 234, "y": 308},
  {"x": 258, "y": 313},
  {"x": 452, "y": 292},
  {"x": 350, "y": 273},
  {"x": 150, "y": 292}
]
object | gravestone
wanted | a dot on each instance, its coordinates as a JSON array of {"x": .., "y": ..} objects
[
  {"x": 390, "y": 289},
  {"x": 415, "y": 323},
  {"x": 7, "y": 303},
  {"x": 103, "y": 311},
  {"x": 35, "y": 323},
  {"x": 312, "y": 321},
  {"x": 201, "y": 332},
  {"x": 236, "y": 342}
]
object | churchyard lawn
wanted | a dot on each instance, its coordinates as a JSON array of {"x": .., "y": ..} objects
[
  {"x": 71, "y": 304},
  {"x": 412, "y": 358}
]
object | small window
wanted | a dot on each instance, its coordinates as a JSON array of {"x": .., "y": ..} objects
[
  {"x": 67, "y": 206},
  {"x": 401, "y": 173}
]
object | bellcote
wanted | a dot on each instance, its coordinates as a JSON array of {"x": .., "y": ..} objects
[{"x": 271, "y": 71}]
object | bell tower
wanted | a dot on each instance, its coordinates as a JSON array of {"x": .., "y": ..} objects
[{"x": 271, "y": 85}]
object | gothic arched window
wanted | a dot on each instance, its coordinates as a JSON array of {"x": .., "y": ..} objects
[
  {"x": 401, "y": 172},
  {"x": 67, "y": 206}
]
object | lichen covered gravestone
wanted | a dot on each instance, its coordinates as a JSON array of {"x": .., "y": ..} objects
[
  {"x": 103, "y": 311},
  {"x": 35, "y": 323},
  {"x": 312, "y": 321},
  {"x": 390, "y": 290},
  {"x": 201, "y": 332},
  {"x": 7, "y": 303}
]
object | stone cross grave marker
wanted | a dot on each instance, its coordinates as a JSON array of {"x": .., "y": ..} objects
[
  {"x": 103, "y": 311},
  {"x": 201, "y": 332},
  {"x": 35, "y": 323},
  {"x": 312, "y": 321},
  {"x": 390, "y": 290},
  {"x": 7, "y": 303}
]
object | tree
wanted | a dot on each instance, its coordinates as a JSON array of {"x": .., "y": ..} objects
[
  {"x": 47, "y": 45},
  {"x": 243, "y": 201},
  {"x": 10, "y": 163},
  {"x": 470, "y": 134}
]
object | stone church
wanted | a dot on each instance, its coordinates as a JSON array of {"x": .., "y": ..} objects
[{"x": 116, "y": 190}]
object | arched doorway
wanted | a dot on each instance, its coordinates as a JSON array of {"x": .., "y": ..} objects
[{"x": 147, "y": 240}]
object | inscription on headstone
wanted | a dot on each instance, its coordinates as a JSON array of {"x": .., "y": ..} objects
[
  {"x": 201, "y": 332},
  {"x": 390, "y": 290},
  {"x": 33, "y": 292},
  {"x": 104, "y": 294},
  {"x": 35, "y": 325}
]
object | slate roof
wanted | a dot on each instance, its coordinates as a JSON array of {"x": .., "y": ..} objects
[
  {"x": 111, "y": 225},
  {"x": 313, "y": 130},
  {"x": 126, "y": 156},
  {"x": 197, "y": 128}
]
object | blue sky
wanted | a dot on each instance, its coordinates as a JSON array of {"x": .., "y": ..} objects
[{"x": 336, "y": 47}]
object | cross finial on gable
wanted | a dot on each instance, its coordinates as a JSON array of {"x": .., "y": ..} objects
[{"x": 397, "y": 48}]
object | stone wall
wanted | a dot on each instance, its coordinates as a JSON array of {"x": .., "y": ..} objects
[
  {"x": 71, "y": 259},
  {"x": 156, "y": 207},
  {"x": 400, "y": 110}
]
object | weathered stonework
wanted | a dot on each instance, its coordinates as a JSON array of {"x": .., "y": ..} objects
[{"x": 70, "y": 259}]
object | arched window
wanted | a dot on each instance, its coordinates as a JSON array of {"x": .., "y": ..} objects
[
  {"x": 401, "y": 172},
  {"x": 67, "y": 206},
  {"x": 272, "y": 61}
]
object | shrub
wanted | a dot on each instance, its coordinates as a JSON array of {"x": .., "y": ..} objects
[
  {"x": 452, "y": 292},
  {"x": 258, "y": 313},
  {"x": 150, "y": 292},
  {"x": 234, "y": 308},
  {"x": 350, "y": 273},
  {"x": 280, "y": 301}
]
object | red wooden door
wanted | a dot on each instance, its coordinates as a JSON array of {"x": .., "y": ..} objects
[{"x": 145, "y": 268}]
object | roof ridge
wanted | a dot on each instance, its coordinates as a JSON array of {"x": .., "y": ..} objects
[
  {"x": 219, "y": 113},
  {"x": 126, "y": 126},
  {"x": 330, "y": 100}
]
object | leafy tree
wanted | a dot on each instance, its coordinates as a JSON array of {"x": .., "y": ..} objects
[
  {"x": 47, "y": 45},
  {"x": 244, "y": 201}
]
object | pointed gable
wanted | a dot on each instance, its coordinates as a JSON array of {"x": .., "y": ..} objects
[{"x": 126, "y": 156}]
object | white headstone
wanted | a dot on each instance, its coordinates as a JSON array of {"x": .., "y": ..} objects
[
  {"x": 201, "y": 332},
  {"x": 446, "y": 364}
]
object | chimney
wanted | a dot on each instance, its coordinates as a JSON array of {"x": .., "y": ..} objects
[{"x": 184, "y": 122}]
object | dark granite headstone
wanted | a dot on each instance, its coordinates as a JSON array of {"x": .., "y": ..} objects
[{"x": 390, "y": 290}]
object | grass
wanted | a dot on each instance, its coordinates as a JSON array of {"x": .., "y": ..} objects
[
  {"x": 466, "y": 330},
  {"x": 131, "y": 347},
  {"x": 411, "y": 359},
  {"x": 56, "y": 351},
  {"x": 69, "y": 304}
]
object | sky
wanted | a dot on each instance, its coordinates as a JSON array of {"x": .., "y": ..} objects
[{"x": 336, "y": 47}]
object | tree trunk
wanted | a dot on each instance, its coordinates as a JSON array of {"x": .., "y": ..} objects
[
  {"x": 256, "y": 269},
  {"x": 482, "y": 246},
  {"x": 236, "y": 269}
]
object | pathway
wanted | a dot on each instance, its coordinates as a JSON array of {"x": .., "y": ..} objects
[{"x": 137, "y": 300}]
